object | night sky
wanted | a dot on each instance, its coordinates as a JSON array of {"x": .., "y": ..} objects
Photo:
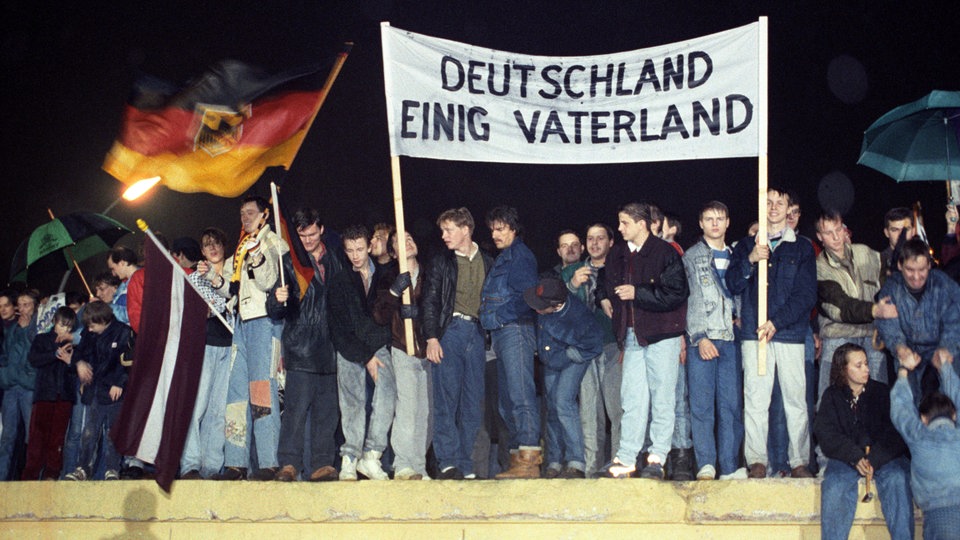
[{"x": 834, "y": 68}]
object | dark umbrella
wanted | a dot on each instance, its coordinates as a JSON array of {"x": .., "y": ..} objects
[
  {"x": 58, "y": 245},
  {"x": 916, "y": 141}
]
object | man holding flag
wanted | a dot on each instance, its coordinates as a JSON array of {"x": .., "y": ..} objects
[{"x": 252, "y": 400}]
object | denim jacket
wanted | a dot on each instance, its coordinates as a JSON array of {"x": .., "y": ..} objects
[
  {"x": 710, "y": 305},
  {"x": 926, "y": 325},
  {"x": 935, "y": 448},
  {"x": 571, "y": 334},
  {"x": 791, "y": 287},
  {"x": 501, "y": 302}
]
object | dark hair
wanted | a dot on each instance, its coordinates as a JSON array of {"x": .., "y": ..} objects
[
  {"x": 715, "y": 206},
  {"x": 356, "y": 232},
  {"x": 608, "y": 229},
  {"x": 841, "y": 357},
  {"x": 106, "y": 278},
  {"x": 936, "y": 405},
  {"x": 384, "y": 226},
  {"x": 11, "y": 295},
  {"x": 390, "y": 240},
  {"x": 638, "y": 211},
  {"x": 506, "y": 215},
  {"x": 188, "y": 247},
  {"x": 794, "y": 198},
  {"x": 33, "y": 294},
  {"x": 461, "y": 217},
  {"x": 261, "y": 203},
  {"x": 97, "y": 312},
  {"x": 306, "y": 217},
  {"x": 124, "y": 254},
  {"x": 65, "y": 315},
  {"x": 673, "y": 220},
  {"x": 218, "y": 235},
  {"x": 568, "y": 231},
  {"x": 914, "y": 248},
  {"x": 829, "y": 215},
  {"x": 896, "y": 214},
  {"x": 782, "y": 192},
  {"x": 74, "y": 297}
]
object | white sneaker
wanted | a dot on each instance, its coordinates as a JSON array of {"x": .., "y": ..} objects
[
  {"x": 739, "y": 474},
  {"x": 111, "y": 474},
  {"x": 407, "y": 473},
  {"x": 369, "y": 466},
  {"x": 348, "y": 468},
  {"x": 707, "y": 472},
  {"x": 78, "y": 474}
]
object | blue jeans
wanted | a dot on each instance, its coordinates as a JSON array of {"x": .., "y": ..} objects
[
  {"x": 716, "y": 400},
  {"x": 255, "y": 343},
  {"x": 682, "y": 430},
  {"x": 96, "y": 439},
  {"x": 599, "y": 400},
  {"x": 17, "y": 404},
  {"x": 203, "y": 449},
  {"x": 838, "y": 498},
  {"x": 564, "y": 432},
  {"x": 458, "y": 387},
  {"x": 514, "y": 345},
  {"x": 358, "y": 434},
  {"x": 71, "y": 444},
  {"x": 648, "y": 388},
  {"x": 941, "y": 523}
]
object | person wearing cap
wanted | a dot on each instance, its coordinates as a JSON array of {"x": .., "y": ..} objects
[
  {"x": 568, "y": 340},
  {"x": 510, "y": 322}
]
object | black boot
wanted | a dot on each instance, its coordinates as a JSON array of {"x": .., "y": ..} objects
[{"x": 682, "y": 468}]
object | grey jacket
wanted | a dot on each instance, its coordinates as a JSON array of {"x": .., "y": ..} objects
[{"x": 710, "y": 306}]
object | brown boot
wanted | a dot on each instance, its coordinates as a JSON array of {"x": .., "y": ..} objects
[{"x": 525, "y": 465}]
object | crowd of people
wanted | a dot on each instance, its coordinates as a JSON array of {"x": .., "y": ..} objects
[{"x": 640, "y": 359}]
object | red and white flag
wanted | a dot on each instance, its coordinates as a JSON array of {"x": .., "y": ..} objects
[{"x": 160, "y": 393}]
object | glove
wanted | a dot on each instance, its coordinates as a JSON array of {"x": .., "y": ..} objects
[
  {"x": 409, "y": 311},
  {"x": 402, "y": 282}
]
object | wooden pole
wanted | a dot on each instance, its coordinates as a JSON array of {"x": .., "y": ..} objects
[
  {"x": 276, "y": 224},
  {"x": 402, "y": 247},
  {"x": 74, "y": 261},
  {"x": 762, "y": 108}
]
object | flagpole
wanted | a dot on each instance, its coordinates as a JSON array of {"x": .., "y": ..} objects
[
  {"x": 324, "y": 91},
  {"x": 276, "y": 222},
  {"x": 762, "y": 108},
  {"x": 402, "y": 248},
  {"x": 179, "y": 270}
]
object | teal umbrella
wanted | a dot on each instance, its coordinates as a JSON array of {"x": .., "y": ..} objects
[
  {"x": 58, "y": 244},
  {"x": 916, "y": 141}
]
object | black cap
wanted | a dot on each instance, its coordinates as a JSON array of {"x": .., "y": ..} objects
[{"x": 549, "y": 292}]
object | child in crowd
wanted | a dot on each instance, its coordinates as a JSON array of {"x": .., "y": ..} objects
[
  {"x": 934, "y": 440},
  {"x": 97, "y": 361},
  {"x": 53, "y": 397}
]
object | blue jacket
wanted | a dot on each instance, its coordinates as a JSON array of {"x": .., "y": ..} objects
[
  {"x": 15, "y": 367},
  {"x": 935, "y": 448},
  {"x": 927, "y": 325},
  {"x": 791, "y": 287},
  {"x": 710, "y": 305},
  {"x": 501, "y": 301},
  {"x": 571, "y": 334}
]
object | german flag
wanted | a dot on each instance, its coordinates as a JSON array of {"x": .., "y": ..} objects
[
  {"x": 302, "y": 266},
  {"x": 219, "y": 132}
]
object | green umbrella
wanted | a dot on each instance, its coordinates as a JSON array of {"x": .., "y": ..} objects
[
  {"x": 56, "y": 245},
  {"x": 916, "y": 141}
]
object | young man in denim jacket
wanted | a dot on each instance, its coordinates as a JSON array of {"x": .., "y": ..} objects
[
  {"x": 510, "y": 322},
  {"x": 713, "y": 369}
]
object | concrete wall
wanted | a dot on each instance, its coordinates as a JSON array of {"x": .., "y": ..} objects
[{"x": 528, "y": 509}]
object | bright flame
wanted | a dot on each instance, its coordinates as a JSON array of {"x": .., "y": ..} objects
[{"x": 140, "y": 187}]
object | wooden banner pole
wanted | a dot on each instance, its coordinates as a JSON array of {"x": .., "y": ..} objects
[
  {"x": 762, "y": 111},
  {"x": 402, "y": 247}
]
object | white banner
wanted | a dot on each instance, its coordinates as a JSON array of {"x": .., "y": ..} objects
[{"x": 696, "y": 99}]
